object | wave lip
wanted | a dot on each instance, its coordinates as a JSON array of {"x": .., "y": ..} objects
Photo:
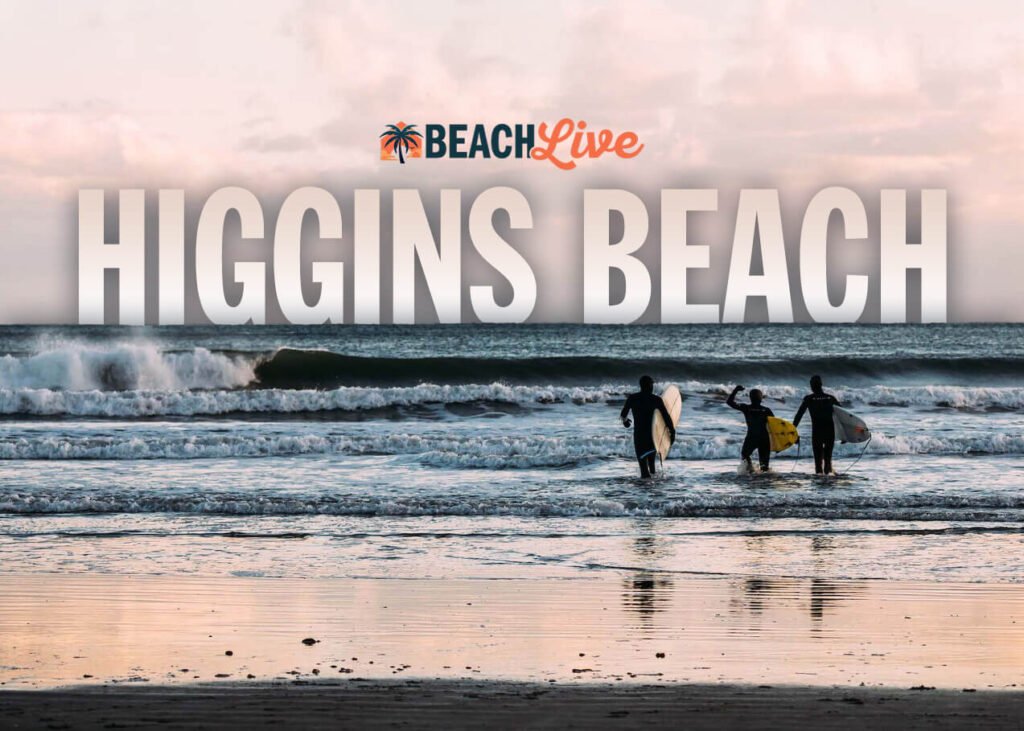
[
  {"x": 124, "y": 366},
  {"x": 290, "y": 368}
]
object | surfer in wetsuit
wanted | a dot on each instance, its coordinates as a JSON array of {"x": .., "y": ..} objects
[
  {"x": 643, "y": 405},
  {"x": 757, "y": 427},
  {"x": 823, "y": 430}
]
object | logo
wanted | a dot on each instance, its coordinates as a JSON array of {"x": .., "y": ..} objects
[
  {"x": 401, "y": 140},
  {"x": 562, "y": 144}
]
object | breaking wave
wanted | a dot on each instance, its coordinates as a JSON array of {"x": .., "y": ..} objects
[
  {"x": 457, "y": 452},
  {"x": 143, "y": 403},
  {"x": 130, "y": 404},
  {"x": 124, "y": 366},
  {"x": 288, "y": 368},
  {"x": 143, "y": 365}
]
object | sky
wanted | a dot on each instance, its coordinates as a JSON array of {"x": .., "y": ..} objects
[{"x": 278, "y": 95}]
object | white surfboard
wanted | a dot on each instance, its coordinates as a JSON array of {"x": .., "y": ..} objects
[
  {"x": 849, "y": 428},
  {"x": 674, "y": 405}
]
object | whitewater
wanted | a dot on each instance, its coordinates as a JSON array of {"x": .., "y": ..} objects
[{"x": 235, "y": 435}]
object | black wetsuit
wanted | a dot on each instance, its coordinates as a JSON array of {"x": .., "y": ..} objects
[
  {"x": 643, "y": 405},
  {"x": 823, "y": 430},
  {"x": 757, "y": 431}
]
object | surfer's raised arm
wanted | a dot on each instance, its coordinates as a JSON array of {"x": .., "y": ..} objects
[
  {"x": 757, "y": 439},
  {"x": 731, "y": 401}
]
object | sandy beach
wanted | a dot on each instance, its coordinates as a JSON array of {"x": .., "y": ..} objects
[
  {"x": 652, "y": 650},
  {"x": 447, "y": 704},
  {"x": 632, "y": 628}
]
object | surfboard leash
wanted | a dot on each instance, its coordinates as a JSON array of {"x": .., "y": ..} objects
[{"x": 862, "y": 453}]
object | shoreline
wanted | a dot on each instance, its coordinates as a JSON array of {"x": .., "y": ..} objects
[{"x": 432, "y": 704}]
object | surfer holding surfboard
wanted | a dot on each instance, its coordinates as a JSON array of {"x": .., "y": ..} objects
[
  {"x": 823, "y": 431},
  {"x": 758, "y": 437},
  {"x": 648, "y": 440}
]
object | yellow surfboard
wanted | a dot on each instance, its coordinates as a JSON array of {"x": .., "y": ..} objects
[{"x": 783, "y": 434}]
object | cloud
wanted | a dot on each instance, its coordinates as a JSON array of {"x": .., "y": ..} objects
[
  {"x": 795, "y": 94},
  {"x": 278, "y": 143}
]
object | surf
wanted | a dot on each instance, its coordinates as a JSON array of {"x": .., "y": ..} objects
[{"x": 123, "y": 366}]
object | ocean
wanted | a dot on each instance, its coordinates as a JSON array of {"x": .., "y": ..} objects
[{"x": 496, "y": 452}]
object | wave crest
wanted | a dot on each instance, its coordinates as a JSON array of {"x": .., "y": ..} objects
[
  {"x": 291, "y": 368},
  {"x": 123, "y": 367}
]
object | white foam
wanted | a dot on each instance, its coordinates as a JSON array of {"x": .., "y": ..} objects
[
  {"x": 127, "y": 404},
  {"x": 949, "y": 396},
  {"x": 496, "y": 452},
  {"x": 198, "y": 367},
  {"x": 73, "y": 366},
  {"x": 806, "y": 504}
]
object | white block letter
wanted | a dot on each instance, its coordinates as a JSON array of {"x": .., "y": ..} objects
[
  {"x": 210, "y": 259},
  {"x": 288, "y": 259},
  {"x": 441, "y": 265},
  {"x": 814, "y": 254},
  {"x": 366, "y": 252},
  {"x": 898, "y": 255},
  {"x": 677, "y": 256},
  {"x": 758, "y": 210},
  {"x": 601, "y": 256},
  {"x": 128, "y": 257},
  {"x": 499, "y": 254},
  {"x": 172, "y": 257}
]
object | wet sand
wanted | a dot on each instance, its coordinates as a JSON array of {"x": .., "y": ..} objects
[
  {"x": 448, "y": 704},
  {"x": 630, "y": 648},
  {"x": 629, "y": 627}
]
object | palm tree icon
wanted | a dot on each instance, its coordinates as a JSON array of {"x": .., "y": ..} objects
[{"x": 400, "y": 139}]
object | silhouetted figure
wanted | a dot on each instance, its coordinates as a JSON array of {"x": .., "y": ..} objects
[
  {"x": 643, "y": 405},
  {"x": 757, "y": 427},
  {"x": 823, "y": 430}
]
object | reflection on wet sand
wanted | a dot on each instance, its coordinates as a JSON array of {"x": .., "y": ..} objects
[
  {"x": 757, "y": 593},
  {"x": 647, "y": 590}
]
